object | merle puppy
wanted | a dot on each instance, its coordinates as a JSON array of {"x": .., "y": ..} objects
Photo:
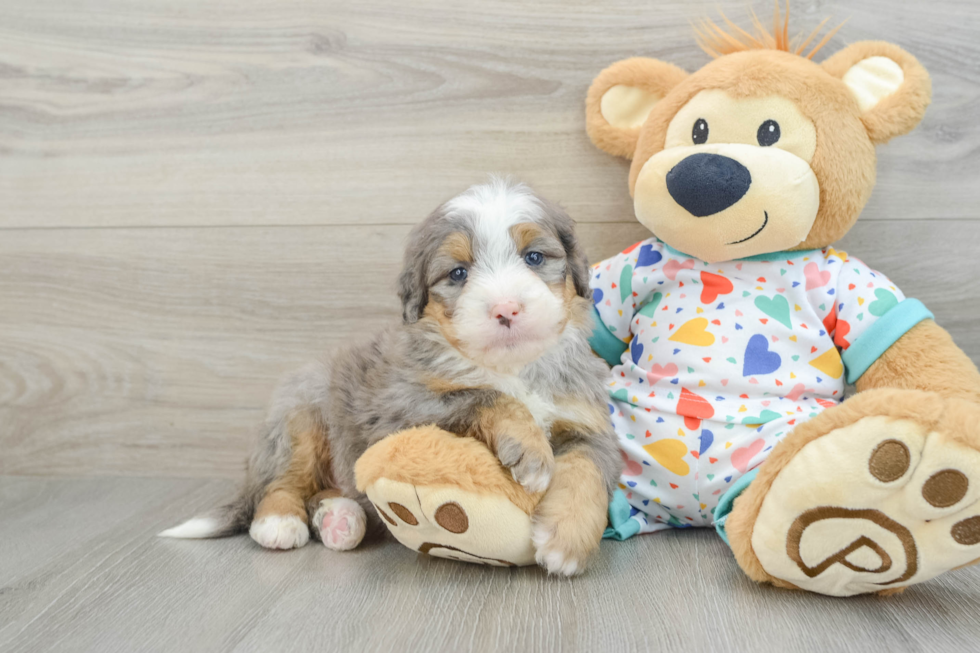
[{"x": 493, "y": 345}]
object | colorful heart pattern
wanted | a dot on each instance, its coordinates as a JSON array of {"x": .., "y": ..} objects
[{"x": 725, "y": 360}]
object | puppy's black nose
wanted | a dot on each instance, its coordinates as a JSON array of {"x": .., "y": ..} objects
[{"x": 706, "y": 184}]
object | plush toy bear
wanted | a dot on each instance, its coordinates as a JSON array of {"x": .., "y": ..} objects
[{"x": 731, "y": 334}]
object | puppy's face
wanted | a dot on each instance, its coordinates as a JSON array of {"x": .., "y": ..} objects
[{"x": 498, "y": 271}]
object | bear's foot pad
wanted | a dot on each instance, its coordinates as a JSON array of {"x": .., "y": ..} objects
[
  {"x": 448, "y": 522},
  {"x": 874, "y": 506}
]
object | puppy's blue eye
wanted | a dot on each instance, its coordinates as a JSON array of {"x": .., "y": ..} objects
[
  {"x": 534, "y": 258},
  {"x": 459, "y": 274}
]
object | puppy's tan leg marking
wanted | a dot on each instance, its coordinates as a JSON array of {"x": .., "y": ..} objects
[
  {"x": 569, "y": 521},
  {"x": 280, "y": 520},
  {"x": 520, "y": 444}
]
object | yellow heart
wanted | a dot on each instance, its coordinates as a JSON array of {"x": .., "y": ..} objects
[
  {"x": 680, "y": 432},
  {"x": 797, "y": 307},
  {"x": 860, "y": 301},
  {"x": 701, "y": 383},
  {"x": 700, "y": 310},
  {"x": 829, "y": 363},
  {"x": 620, "y": 313},
  {"x": 703, "y": 506},
  {"x": 670, "y": 454},
  {"x": 792, "y": 376},
  {"x": 693, "y": 332},
  {"x": 728, "y": 444},
  {"x": 793, "y": 338},
  {"x": 742, "y": 408},
  {"x": 657, "y": 500}
]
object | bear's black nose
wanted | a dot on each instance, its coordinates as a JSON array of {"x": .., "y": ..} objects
[{"x": 706, "y": 184}]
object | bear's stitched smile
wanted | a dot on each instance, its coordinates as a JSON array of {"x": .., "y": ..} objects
[{"x": 757, "y": 232}]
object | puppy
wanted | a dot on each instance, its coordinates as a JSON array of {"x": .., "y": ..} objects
[{"x": 493, "y": 345}]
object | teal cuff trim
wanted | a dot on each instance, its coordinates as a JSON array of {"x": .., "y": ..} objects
[
  {"x": 621, "y": 526},
  {"x": 605, "y": 343},
  {"x": 772, "y": 256},
  {"x": 881, "y": 335},
  {"x": 727, "y": 502}
]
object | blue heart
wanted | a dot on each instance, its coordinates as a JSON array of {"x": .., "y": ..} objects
[
  {"x": 758, "y": 358},
  {"x": 660, "y": 420},
  {"x": 738, "y": 327},
  {"x": 636, "y": 349},
  {"x": 611, "y": 409},
  {"x": 728, "y": 479},
  {"x": 720, "y": 306},
  {"x": 597, "y": 295},
  {"x": 648, "y": 256},
  {"x": 631, "y": 483},
  {"x": 796, "y": 283},
  {"x": 707, "y": 437}
]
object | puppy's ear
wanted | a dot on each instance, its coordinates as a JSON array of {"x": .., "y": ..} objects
[
  {"x": 890, "y": 86},
  {"x": 575, "y": 260},
  {"x": 621, "y": 98},
  {"x": 413, "y": 286}
]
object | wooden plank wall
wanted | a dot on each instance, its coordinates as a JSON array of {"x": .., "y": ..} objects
[{"x": 197, "y": 196}]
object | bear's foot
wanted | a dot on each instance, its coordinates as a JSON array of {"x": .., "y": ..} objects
[
  {"x": 448, "y": 497},
  {"x": 883, "y": 494}
]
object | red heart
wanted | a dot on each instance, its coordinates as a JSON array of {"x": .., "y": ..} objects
[
  {"x": 712, "y": 460},
  {"x": 673, "y": 486},
  {"x": 694, "y": 408},
  {"x": 714, "y": 285}
]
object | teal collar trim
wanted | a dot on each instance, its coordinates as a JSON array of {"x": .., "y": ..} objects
[{"x": 772, "y": 256}]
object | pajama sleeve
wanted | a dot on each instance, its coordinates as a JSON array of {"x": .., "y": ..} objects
[
  {"x": 621, "y": 286},
  {"x": 870, "y": 314}
]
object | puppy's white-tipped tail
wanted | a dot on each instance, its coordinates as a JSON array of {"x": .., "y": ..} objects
[
  {"x": 227, "y": 520},
  {"x": 196, "y": 528}
]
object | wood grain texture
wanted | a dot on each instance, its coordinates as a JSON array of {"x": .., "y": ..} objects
[
  {"x": 196, "y": 197},
  {"x": 154, "y": 351},
  {"x": 233, "y": 112},
  {"x": 81, "y": 570}
]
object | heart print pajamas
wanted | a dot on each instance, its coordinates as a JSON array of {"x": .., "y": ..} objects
[{"x": 715, "y": 363}]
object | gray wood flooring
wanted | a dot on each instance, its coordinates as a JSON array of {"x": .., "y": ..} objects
[{"x": 81, "y": 570}]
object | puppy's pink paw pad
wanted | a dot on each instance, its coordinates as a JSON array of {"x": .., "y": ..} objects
[{"x": 342, "y": 523}]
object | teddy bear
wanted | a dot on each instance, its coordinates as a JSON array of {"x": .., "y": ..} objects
[{"x": 732, "y": 331}]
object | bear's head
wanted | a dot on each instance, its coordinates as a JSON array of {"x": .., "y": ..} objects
[{"x": 761, "y": 150}]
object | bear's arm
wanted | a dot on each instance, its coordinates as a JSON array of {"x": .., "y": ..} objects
[
  {"x": 621, "y": 285},
  {"x": 925, "y": 358}
]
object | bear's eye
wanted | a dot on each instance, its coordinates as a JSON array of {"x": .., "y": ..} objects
[
  {"x": 768, "y": 133},
  {"x": 700, "y": 132}
]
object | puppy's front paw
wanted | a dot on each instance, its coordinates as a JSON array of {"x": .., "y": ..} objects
[
  {"x": 280, "y": 532},
  {"x": 560, "y": 549},
  {"x": 532, "y": 464}
]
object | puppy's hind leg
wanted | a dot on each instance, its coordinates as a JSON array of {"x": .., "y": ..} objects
[
  {"x": 339, "y": 522},
  {"x": 280, "y": 520}
]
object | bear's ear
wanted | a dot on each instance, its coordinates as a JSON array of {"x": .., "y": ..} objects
[
  {"x": 620, "y": 99},
  {"x": 891, "y": 87}
]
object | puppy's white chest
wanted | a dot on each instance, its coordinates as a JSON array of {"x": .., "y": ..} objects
[{"x": 541, "y": 407}]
